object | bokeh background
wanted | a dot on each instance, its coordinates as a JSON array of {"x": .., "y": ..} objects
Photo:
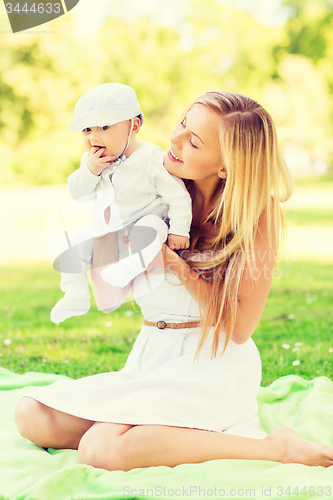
[{"x": 279, "y": 52}]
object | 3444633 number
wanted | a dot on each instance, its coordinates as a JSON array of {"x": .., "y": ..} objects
[
  {"x": 36, "y": 8},
  {"x": 317, "y": 491}
]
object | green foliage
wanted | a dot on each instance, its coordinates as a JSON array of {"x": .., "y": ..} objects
[
  {"x": 308, "y": 30},
  {"x": 214, "y": 45}
]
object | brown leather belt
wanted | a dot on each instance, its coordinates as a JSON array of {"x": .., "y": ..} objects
[{"x": 162, "y": 324}]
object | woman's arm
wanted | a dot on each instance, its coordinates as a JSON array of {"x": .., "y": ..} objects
[{"x": 254, "y": 288}]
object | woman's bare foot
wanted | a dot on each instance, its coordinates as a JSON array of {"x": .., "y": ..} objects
[{"x": 291, "y": 448}]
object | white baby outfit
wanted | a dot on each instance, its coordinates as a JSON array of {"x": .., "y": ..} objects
[
  {"x": 139, "y": 191},
  {"x": 161, "y": 383},
  {"x": 140, "y": 184}
]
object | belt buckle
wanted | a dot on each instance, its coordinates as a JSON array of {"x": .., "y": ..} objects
[{"x": 161, "y": 325}]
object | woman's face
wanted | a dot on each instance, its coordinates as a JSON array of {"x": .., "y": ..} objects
[{"x": 195, "y": 151}]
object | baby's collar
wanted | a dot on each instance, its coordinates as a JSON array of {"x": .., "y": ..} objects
[
  {"x": 119, "y": 160},
  {"x": 112, "y": 167}
]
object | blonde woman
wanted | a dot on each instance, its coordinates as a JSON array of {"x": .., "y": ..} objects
[{"x": 187, "y": 393}]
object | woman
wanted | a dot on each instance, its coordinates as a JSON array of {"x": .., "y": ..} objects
[{"x": 188, "y": 394}]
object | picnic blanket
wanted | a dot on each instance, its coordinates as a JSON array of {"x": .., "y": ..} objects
[{"x": 28, "y": 472}]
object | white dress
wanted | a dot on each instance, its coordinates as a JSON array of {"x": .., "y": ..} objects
[{"x": 160, "y": 382}]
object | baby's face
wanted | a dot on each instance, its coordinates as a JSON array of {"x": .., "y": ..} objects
[{"x": 111, "y": 137}]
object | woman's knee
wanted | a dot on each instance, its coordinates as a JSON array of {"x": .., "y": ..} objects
[
  {"x": 102, "y": 450},
  {"x": 48, "y": 427},
  {"x": 88, "y": 450},
  {"x": 92, "y": 450},
  {"x": 26, "y": 416}
]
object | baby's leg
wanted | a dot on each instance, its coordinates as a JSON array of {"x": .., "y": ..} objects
[
  {"x": 47, "y": 427},
  {"x": 108, "y": 297},
  {"x": 145, "y": 241},
  {"x": 105, "y": 251},
  {"x": 73, "y": 264}
]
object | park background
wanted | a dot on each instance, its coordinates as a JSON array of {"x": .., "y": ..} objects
[{"x": 279, "y": 53}]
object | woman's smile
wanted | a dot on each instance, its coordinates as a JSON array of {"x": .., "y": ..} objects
[{"x": 173, "y": 157}]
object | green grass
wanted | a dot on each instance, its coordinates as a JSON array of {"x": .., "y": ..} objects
[
  {"x": 78, "y": 347},
  {"x": 308, "y": 216},
  {"x": 317, "y": 181},
  {"x": 299, "y": 310}
]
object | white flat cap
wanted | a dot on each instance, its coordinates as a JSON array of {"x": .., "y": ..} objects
[{"x": 106, "y": 104}]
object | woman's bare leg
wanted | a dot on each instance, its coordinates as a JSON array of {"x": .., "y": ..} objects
[
  {"x": 145, "y": 446},
  {"x": 100, "y": 444},
  {"x": 47, "y": 427}
]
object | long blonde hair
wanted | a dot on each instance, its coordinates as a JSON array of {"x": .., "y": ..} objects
[{"x": 257, "y": 180}]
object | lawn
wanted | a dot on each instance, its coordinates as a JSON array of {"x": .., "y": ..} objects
[
  {"x": 78, "y": 347},
  {"x": 306, "y": 216},
  {"x": 298, "y": 313}
]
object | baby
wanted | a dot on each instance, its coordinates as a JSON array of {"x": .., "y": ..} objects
[{"x": 134, "y": 195}]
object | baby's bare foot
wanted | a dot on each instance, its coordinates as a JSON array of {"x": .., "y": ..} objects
[{"x": 291, "y": 448}]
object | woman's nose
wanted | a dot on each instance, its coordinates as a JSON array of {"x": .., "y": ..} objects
[{"x": 177, "y": 136}]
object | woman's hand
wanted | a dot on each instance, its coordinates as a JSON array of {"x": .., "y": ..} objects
[{"x": 170, "y": 260}]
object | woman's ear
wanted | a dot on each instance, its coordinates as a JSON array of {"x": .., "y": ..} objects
[{"x": 222, "y": 173}]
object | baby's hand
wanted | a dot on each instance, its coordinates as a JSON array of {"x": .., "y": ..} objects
[
  {"x": 96, "y": 162},
  {"x": 176, "y": 242}
]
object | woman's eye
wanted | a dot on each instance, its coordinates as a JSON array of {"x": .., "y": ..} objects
[
  {"x": 105, "y": 127},
  {"x": 86, "y": 129},
  {"x": 193, "y": 145},
  {"x": 183, "y": 124}
]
